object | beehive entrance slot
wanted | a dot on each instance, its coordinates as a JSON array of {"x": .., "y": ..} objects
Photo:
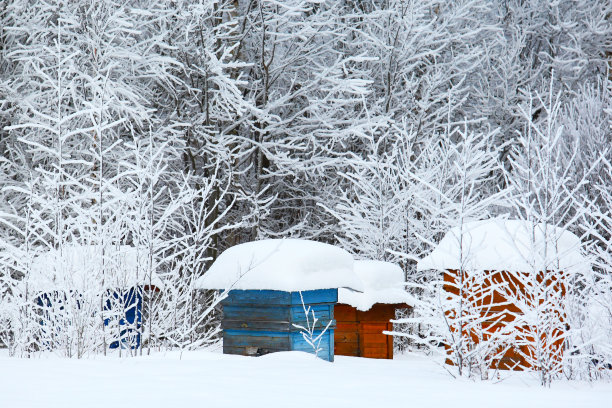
[{"x": 256, "y": 351}]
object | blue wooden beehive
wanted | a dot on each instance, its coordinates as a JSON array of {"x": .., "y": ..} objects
[
  {"x": 258, "y": 322},
  {"x": 269, "y": 286},
  {"x": 131, "y": 320},
  {"x": 57, "y": 277}
]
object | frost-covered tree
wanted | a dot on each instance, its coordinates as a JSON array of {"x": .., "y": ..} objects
[
  {"x": 83, "y": 92},
  {"x": 373, "y": 209},
  {"x": 545, "y": 193},
  {"x": 456, "y": 310}
]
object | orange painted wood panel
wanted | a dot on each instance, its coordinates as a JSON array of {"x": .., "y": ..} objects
[
  {"x": 347, "y": 349},
  {"x": 347, "y": 326},
  {"x": 373, "y": 339},
  {"x": 374, "y": 328},
  {"x": 366, "y": 338},
  {"x": 495, "y": 302},
  {"x": 345, "y": 336},
  {"x": 345, "y": 313}
]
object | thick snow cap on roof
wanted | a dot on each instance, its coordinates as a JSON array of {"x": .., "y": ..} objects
[
  {"x": 507, "y": 245},
  {"x": 281, "y": 264},
  {"x": 383, "y": 283},
  {"x": 81, "y": 268}
]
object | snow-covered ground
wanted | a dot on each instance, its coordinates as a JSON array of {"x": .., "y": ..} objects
[{"x": 291, "y": 379}]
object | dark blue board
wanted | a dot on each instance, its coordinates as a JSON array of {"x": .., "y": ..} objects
[
  {"x": 257, "y": 322},
  {"x": 130, "y": 301}
]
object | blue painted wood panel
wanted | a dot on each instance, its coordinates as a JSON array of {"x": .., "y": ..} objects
[
  {"x": 130, "y": 301},
  {"x": 257, "y": 322},
  {"x": 325, "y": 346}
]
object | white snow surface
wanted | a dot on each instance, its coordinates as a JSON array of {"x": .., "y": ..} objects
[
  {"x": 81, "y": 268},
  {"x": 383, "y": 282},
  {"x": 288, "y": 379},
  {"x": 281, "y": 264},
  {"x": 508, "y": 245}
]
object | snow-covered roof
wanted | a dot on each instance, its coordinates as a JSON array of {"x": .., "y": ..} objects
[
  {"x": 383, "y": 283},
  {"x": 508, "y": 245},
  {"x": 281, "y": 264},
  {"x": 80, "y": 268}
]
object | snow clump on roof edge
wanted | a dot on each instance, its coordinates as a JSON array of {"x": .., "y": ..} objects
[{"x": 383, "y": 283}]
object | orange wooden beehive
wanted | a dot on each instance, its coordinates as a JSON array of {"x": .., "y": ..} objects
[
  {"x": 502, "y": 283},
  {"x": 494, "y": 303},
  {"x": 361, "y": 318},
  {"x": 360, "y": 334}
]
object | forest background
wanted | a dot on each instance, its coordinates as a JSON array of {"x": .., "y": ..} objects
[{"x": 182, "y": 128}]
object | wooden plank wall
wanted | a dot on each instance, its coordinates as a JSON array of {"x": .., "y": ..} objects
[
  {"x": 360, "y": 334},
  {"x": 258, "y": 322},
  {"x": 347, "y": 331},
  {"x": 492, "y": 304}
]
